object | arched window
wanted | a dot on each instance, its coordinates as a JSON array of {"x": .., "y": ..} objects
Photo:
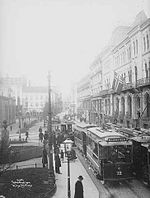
[
  {"x": 147, "y": 104},
  {"x": 138, "y": 102},
  {"x": 117, "y": 106},
  {"x": 130, "y": 106},
  {"x": 123, "y": 105}
]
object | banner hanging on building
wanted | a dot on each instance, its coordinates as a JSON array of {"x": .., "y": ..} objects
[{"x": 118, "y": 82}]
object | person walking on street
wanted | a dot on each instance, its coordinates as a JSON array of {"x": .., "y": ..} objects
[
  {"x": 44, "y": 158},
  {"x": 27, "y": 135},
  {"x": 46, "y": 135},
  {"x": 79, "y": 188},
  {"x": 41, "y": 136},
  {"x": 40, "y": 129},
  {"x": 57, "y": 164},
  {"x": 62, "y": 155}
]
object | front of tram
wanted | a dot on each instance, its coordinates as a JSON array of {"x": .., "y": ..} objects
[{"x": 117, "y": 163}]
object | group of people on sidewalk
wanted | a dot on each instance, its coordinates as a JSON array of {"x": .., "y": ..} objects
[
  {"x": 42, "y": 136},
  {"x": 45, "y": 160},
  {"x": 78, "y": 184}
]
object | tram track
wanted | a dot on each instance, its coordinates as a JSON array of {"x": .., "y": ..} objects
[{"x": 123, "y": 189}]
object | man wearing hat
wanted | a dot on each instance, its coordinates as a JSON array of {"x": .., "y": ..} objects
[{"x": 79, "y": 188}]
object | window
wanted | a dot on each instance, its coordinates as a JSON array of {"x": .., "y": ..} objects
[
  {"x": 134, "y": 47},
  {"x": 147, "y": 41},
  {"x": 146, "y": 70},
  {"x": 144, "y": 43},
  {"x": 135, "y": 73},
  {"x": 137, "y": 46},
  {"x": 129, "y": 52}
]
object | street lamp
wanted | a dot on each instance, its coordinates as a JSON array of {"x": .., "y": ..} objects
[{"x": 68, "y": 145}]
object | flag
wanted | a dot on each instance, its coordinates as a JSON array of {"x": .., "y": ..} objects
[
  {"x": 115, "y": 81},
  {"x": 120, "y": 84}
]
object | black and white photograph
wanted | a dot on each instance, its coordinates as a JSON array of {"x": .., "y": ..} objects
[{"x": 74, "y": 98}]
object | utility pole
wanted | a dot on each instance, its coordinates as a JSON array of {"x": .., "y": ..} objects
[
  {"x": 51, "y": 168},
  {"x": 19, "y": 117}
]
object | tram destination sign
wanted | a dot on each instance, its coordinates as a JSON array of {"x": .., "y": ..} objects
[{"x": 116, "y": 139}]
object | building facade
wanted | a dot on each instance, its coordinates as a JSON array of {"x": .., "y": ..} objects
[
  {"x": 84, "y": 99},
  {"x": 122, "y": 93}
]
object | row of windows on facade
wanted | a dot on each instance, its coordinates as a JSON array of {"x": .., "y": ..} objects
[
  {"x": 36, "y": 98},
  {"x": 125, "y": 55},
  {"x": 98, "y": 104},
  {"x": 127, "y": 78},
  {"x": 34, "y": 105}
]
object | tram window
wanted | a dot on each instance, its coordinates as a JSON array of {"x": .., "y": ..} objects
[
  {"x": 95, "y": 150},
  {"x": 120, "y": 153},
  {"x": 103, "y": 152}
]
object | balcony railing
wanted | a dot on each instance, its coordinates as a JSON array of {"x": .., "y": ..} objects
[
  {"x": 127, "y": 86},
  {"x": 146, "y": 119},
  {"x": 143, "y": 81}
]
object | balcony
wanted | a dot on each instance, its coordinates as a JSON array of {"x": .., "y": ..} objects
[
  {"x": 127, "y": 86},
  {"x": 143, "y": 82},
  {"x": 146, "y": 119}
]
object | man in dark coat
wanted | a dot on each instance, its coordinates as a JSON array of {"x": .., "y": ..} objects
[
  {"x": 44, "y": 158},
  {"x": 79, "y": 188},
  {"x": 57, "y": 164}
]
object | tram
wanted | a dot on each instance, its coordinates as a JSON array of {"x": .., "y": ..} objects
[
  {"x": 141, "y": 152},
  {"x": 65, "y": 132},
  {"x": 109, "y": 153},
  {"x": 80, "y": 131}
]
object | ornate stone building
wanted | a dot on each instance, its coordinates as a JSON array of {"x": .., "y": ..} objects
[{"x": 120, "y": 77}]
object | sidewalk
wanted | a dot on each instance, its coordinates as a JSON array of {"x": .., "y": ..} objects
[{"x": 76, "y": 169}]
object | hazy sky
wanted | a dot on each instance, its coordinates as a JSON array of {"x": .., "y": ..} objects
[{"x": 63, "y": 36}]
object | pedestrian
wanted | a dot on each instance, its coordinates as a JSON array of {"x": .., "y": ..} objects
[
  {"x": 11, "y": 127},
  {"x": 79, "y": 188},
  {"x": 44, "y": 158},
  {"x": 62, "y": 155},
  {"x": 41, "y": 136},
  {"x": 57, "y": 164},
  {"x": 27, "y": 135},
  {"x": 40, "y": 129},
  {"x": 45, "y": 135}
]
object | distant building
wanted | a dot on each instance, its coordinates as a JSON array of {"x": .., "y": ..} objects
[
  {"x": 12, "y": 87},
  {"x": 8, "y": 98},
  {"x": 84, "y": 99},
  {"x": 34, "y": 98}
]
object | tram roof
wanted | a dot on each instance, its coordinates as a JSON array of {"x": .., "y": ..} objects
[
  {"x": 83, "y": 125},
  {"x": 108, "y": 137},
  {"x": 103, "y": 133},
  {"x": 115, "y": 143},
  {"x": 142, "y": 139}
]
